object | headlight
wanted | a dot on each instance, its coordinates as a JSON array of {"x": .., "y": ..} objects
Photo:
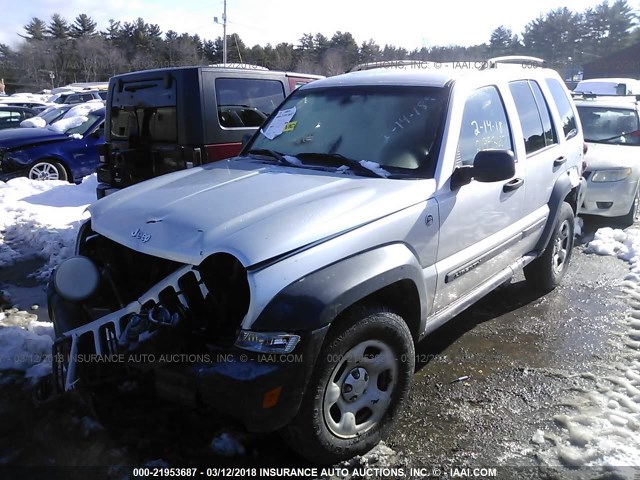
[
  {"x": 262, "y": 342},
  {"x": 614, "y": 175}
]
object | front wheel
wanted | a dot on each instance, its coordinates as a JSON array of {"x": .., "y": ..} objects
[
  {"x": 362, "y": 378},
  {"x": 47, "y": 170},
  {"x": 633, "y": 213},
  {"x": 545, "y": 272}
]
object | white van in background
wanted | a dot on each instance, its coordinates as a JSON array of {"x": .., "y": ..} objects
[{"x": 609, "y": 86}]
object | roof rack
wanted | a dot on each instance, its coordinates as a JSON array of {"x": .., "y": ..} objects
[
  {"x": 521, "y": 59},
  {"x": 239, "y": 66},
  {"x": 591, "y": 95}
]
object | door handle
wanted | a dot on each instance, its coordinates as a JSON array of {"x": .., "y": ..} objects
[
  {"x": 512, "y": 185},
  {"x": 559, "y": 161}
]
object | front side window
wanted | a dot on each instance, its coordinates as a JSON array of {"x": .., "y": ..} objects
[
  {"x": 617, "y": 126},
  {"x": 484, "y": 125},
  {"x": 396, "y": 127},
  {"x": 245, "y": 102}
]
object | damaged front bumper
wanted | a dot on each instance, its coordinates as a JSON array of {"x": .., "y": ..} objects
[{"x": 262, "y": 390}]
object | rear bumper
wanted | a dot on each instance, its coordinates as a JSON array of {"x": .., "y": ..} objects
[{"x": 104, "y": 189}]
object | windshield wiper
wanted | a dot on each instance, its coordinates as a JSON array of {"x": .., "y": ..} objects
[
  {"x": 338, "y": 159},
  {"x": 614, "y": 137},
  {"x": 280, "y": 158}
]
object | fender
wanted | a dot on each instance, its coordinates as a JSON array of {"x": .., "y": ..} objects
[
  {"x": 321, "y": 296},
  {"x": 561, "y": 189}
]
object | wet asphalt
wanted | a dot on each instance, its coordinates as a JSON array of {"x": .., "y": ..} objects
[{"x": 484, "y": 384}]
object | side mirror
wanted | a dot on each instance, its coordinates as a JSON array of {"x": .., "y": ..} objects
[{"x": 488, "y": 166}]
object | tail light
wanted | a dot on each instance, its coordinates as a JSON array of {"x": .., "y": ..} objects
[{"x": 102, "y": 153}]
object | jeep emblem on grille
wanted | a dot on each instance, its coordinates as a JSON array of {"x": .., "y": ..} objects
[{"x": 140, "y": 235}]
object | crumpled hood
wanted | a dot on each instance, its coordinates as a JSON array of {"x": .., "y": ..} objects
[
  {"x": 251, "y": 210},
  {"x": 601, "y": 156},
  {"x": 12, "y": 138}
]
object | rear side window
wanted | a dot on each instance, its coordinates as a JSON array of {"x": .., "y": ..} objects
[
  {"x": 244, "y": 102},
  {"x": 484, "y": 125},
  {"x": 533, "y": 115},
  {"x": 568, "y": 116}
]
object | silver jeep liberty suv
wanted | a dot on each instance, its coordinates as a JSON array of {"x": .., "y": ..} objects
[{"x": 287, "y": 286}]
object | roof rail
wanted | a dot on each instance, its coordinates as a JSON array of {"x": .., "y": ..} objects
[
  {"x": 522, "y": 59},
  {"x": 240, "y": 66},
  {"x": 589, "y": 94}
]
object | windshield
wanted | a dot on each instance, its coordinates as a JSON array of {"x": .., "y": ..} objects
[
  {"x": 395, "y": 127},
  {"x": 84, "y": 127},
  {"x": 618, "y": 126},
  {"x": 50, "y": 115}
]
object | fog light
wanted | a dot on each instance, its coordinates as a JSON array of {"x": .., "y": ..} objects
[
  {"x": 262, "y": 342},
  {"x": 604, "y": 205},
  {"x": 76, "y": 279}
]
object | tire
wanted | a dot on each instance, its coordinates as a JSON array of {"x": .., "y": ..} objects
[
  {"x": 345, "y": 412},
  {"x": 48, "y": 170},
  {"x": 545, "y": 272},
  {"x": 632, "y": 215}
]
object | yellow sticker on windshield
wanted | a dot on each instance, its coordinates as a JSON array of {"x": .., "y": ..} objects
[{"x": 290, "y": 126}]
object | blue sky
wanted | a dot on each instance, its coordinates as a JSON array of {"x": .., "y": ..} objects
[{"x": 411, "y": 24}]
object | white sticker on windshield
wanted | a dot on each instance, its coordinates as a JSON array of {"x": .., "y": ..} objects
[{"x": 277, "y": 125}]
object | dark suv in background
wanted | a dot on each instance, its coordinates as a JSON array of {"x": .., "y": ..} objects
[{"x": 164, "y": 120}]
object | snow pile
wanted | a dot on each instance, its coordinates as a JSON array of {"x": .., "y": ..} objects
[
  {"x": 25, "y": 343},
  {"x": 68, "y": 123},
  {"x": 624, "y": 244},
  {"x": 83, "y": 109},
  {"x": 603, "y": 428},
  {"x": 374, "y": 167},
  {"x": 33, "y": 122},
  {"x": 42, "y": 218}
]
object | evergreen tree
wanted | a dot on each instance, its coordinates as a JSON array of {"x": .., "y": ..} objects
[
  {"x": 83, "y": 26},
  {"x": 35, "y": 29},
  {"x": 58, "y": 27}
]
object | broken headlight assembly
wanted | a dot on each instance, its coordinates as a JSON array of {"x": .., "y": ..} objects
[{"x": 267, "y": 342}]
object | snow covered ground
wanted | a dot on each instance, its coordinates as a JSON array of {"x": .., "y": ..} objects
[
  {"x": 603, "y": 426},
  {"x": 37, "y": 220}
]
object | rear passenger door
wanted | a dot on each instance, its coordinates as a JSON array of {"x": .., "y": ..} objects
[{"x": 544, "y": 159}]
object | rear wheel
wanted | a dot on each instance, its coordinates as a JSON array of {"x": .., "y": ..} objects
[
  {"x": 361, "y": 380},
  {"x": 47, "y": 170},
  {"x": 546, "y": 271}
]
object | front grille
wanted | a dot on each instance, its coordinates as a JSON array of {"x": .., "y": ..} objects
[
  {"x": 75, "y": 356},
  {"x": 130, "y": 273}
]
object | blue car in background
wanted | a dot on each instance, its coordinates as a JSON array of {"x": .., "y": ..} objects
[{"x": 50, "y": 154}]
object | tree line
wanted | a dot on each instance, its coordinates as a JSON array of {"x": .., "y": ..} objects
[{"x": 59, "y": 52}]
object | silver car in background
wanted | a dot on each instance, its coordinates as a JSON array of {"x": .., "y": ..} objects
[{"x": 612, "y": 133}]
